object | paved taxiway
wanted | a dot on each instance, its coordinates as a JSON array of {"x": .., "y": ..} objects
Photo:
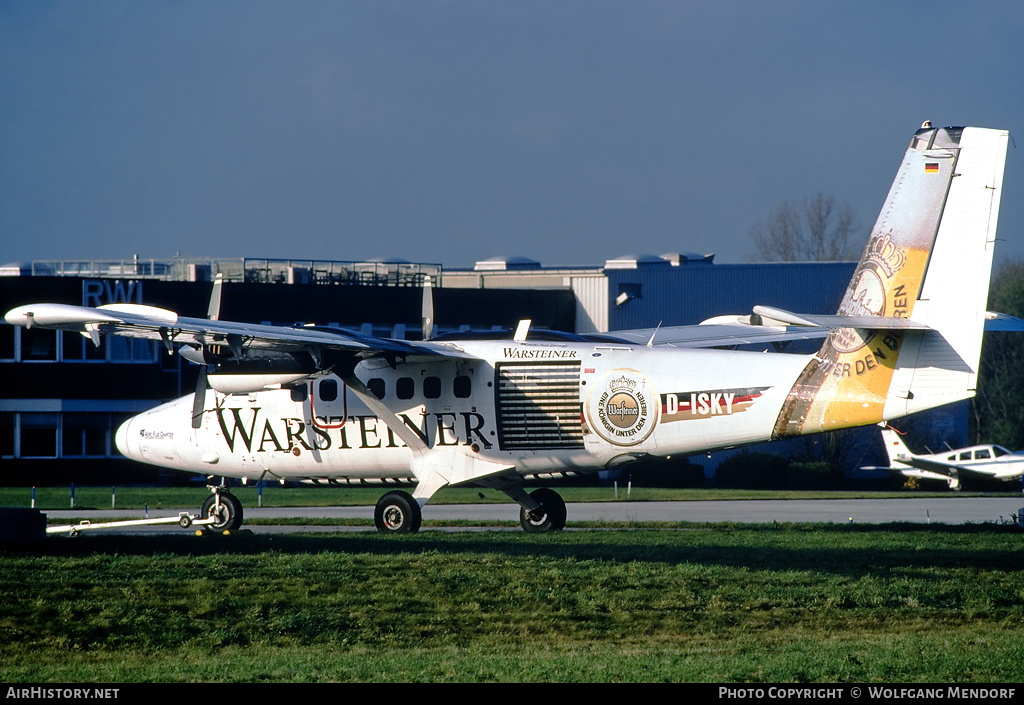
[{"x": 952, "y": 510}]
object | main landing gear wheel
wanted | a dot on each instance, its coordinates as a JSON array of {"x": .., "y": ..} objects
[
  {"x": 397, "y": 513},
  {"x": 550, "y": 516},
  {"x": 228, "y": 515}
]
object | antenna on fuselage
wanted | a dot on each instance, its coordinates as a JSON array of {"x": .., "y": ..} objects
[
  {"x": 650, "y": 343},
  {"x": 522, "y": 330}
]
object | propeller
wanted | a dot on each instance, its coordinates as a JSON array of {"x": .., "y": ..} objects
[{"x": 202, "y": 384}]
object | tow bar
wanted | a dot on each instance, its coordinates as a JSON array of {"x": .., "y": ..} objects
[{"x": 184, "y": 520}]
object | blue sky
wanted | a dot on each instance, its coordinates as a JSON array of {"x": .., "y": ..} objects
[{"x": 453, "y": 131}]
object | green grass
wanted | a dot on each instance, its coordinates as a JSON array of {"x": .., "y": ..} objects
[{"x": 720, "y": 604}]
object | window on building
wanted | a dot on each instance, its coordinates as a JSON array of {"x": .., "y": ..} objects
[
  {"x": 121, "y": 349},
  {"x": 38, "y": 344},
  {"x": 84, "y": 435},
  {"x": 76, "y": 348},
  {"x": 628, "y": 292},
  {"x": 7, "y": 346},
  {"x": 7, "y": 434},
  {"x": 72, "y": 346},
  {"x": 39, "y": 435}
]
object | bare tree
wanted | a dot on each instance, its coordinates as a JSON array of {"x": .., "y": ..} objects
[
  {"x": 998, "y": 407},
  {"x": 813, "y": 229}
]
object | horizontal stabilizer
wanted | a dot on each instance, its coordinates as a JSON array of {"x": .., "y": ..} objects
[
  {"x": 837, "y": 321},
  {"x": 1002, "y": 322}
]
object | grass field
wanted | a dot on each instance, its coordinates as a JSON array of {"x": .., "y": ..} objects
[{"x": 725, "y": 603}]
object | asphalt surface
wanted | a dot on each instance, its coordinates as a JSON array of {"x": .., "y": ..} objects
[{"x": 952, "y": 510}]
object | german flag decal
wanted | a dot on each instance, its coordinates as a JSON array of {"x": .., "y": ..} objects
[{"x": 931, "y": 167}]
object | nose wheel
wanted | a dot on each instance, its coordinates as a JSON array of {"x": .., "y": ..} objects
[{"x": 225, "y": 509}]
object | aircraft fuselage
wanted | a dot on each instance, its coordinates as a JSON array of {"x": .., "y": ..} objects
[{"x": 537, "y": 407}]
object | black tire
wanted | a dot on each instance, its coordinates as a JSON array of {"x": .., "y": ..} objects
[
  {"x": 397, "y": 513},
  {"x": 550, "y": 516},
  {"x": 229, "y": 517}
]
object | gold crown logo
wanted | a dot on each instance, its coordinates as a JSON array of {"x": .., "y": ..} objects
[
  {"x": 622, "y": 384},
  {"x": 884, "y": 252}
]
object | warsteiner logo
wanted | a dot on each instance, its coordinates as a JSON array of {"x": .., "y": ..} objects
[{"x": 624, "y": 407}]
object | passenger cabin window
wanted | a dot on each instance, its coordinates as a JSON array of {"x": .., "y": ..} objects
[
  {"x": 328, "y": 390},
  {"x": 300, "y": 394},
  {"x": 965, "y": 456},
  {"x": 982, "y": 454},
  {"x": 405, "y": 388},
  {"x": 432, "y": 387},
  {"x": 462, "y": 387},
  {"x": 376, "y": 386}
]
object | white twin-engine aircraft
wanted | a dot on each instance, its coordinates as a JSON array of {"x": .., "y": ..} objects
[
  {"x": 323, "y": 405},
  {"x": 993, "y": 462}
]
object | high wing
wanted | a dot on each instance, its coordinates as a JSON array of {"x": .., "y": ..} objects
[
  {"x": 139, "y": 321},
  {"x": 766, "y": 325}
]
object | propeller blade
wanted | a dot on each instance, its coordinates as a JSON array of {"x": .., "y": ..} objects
[
  {"x": 427, "y": 317},
  {"x": 199, "y": 400},
  {"x": 192, "y": 354},
  {"x": 213, "y": 313}
]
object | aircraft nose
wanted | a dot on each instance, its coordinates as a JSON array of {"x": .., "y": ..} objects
[{"x": 123, "y": 440}]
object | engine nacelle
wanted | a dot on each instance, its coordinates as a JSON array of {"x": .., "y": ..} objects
[
  {"x": 257, "y": 372},
  {"x": 256, "y": 382}
]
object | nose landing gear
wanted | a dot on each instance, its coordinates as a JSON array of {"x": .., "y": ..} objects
[{"x": 224, "y": 508}]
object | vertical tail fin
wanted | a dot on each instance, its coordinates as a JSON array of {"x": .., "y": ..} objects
[
  {"x": 941, "y": 365},
  {"x": 928, "y": 259},
  {"x": 895, "y": 448}
]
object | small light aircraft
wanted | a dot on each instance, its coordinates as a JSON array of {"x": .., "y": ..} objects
[
  {"x": 323, "y": 405},
  {"x": 993, "y": 462}
]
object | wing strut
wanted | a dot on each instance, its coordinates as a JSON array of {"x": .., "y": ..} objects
[{"x": 199, "y": 398}]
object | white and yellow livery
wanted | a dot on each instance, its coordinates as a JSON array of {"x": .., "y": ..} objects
[{"x": 330, "y": 406}]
